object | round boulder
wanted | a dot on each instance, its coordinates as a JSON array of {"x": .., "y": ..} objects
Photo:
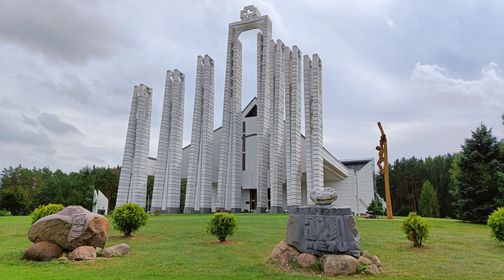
[
  {"x": 43, "y": 251},
  {"x": 83, "y": 253},
  {"x": 283, "y": 253},
  {"x": 70, "y": 228},
  {"x": 306, "y": 260},
  {"x": 339, "y": 264}
]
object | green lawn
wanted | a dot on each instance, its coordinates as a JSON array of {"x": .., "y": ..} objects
[{"x": 177, "y": 247}]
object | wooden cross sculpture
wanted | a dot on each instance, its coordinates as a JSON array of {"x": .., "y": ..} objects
[{"x": 383, "y": 167}]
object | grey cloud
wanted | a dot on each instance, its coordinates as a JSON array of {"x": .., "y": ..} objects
[
  {"x": 70, "y": 31},
  {"x": 53, "y": 123},
  {"x": 14, "y": 134}
]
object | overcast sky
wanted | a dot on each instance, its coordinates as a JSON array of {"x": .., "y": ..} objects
[{"x": 430, "y": 71}]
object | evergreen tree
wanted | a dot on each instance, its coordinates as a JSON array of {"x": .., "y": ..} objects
[
  {"x": 376, "y": 206},
  {"x": 14, "y": 200},
  {"x": 479, "y": 179},
  {"x": 428, "y": 205}
]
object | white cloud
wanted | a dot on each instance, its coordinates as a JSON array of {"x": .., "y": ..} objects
[{"x": 389, "y": 21}]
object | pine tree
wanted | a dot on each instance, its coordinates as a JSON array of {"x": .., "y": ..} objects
[
  {"x": 478, "y": 183},
  {"x": 428, "y": 205}
]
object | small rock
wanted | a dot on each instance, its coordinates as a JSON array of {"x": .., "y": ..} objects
[
  {"x": 366, "y": 254},
  {"x": 376, "y": 261},
  {"x": 283, "y": 253},
  {"x": 83, "y": 253},
  {"x": 43, "y": 251},
  {"x": 365, "y": 261},
  {"x": 306, "y": 260},
  {"x": 63, "y": 258},
  {"x": 339, "y": 264},
  {"x": 372, "y": 269},
  {"x": 118, "y": 250}
]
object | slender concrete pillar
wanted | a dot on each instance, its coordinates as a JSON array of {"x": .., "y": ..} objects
[
  {"x": 263, "y": 114},
  {"x": 293, "y": 127},
  {"x": 133, "y": 178},
  {"x": 313, "y": 123},
  {"x": 229, "y": 176},
  {"x": 199, "y": 177},
  {"x": 167, "y": 181},
  {"x": 276, "y": 140}
]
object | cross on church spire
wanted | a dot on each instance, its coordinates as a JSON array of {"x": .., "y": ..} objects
[{"x": 249, "y": 12}]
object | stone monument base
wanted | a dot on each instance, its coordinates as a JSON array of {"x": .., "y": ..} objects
[{"x": 323, "y": 230}]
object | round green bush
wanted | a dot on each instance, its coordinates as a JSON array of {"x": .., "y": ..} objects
[
  {"x": 496, "y": 224},
  {"x": 128, "y": 218},
  {"x": 416, "y": 229},
  {"x": 221, "y": 225},
  {"x": 45, "y": 210}
]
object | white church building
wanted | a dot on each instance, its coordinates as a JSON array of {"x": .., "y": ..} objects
[
  {"x": 258, "y": 160},
  {"x": 353, "y": 179}
]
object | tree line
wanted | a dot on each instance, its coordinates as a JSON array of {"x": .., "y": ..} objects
[
  {"x": 23, "y": 189},
  {"x": 467, "y": 185}
]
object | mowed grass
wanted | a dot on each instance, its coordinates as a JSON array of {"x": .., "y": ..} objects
[{"x": 178, "y": 247}]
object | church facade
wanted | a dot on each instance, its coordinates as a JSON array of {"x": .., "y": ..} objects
[{"x": 258, "y": 160}]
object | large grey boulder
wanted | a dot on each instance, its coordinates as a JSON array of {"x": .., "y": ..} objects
[
  {"x": 43, "y": 251},
  {"x": 322, "y": 230},
  {"x": 70, "y": 228}
]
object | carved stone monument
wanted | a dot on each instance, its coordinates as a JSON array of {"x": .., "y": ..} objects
[{"x": 323, "y": 229}]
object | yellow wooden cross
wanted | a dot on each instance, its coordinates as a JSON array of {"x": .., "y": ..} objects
[{"x": 383, "y": 167}]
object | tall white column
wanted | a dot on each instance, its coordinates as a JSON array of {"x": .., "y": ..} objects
[
  {"x": 264, "y": 89},
  {"x": 229, "y": 187},
  {"x": 199, "y": 178},
  {"x": 276, "y": 141},
  {"x": 133, "y": 178},
  {"x": 167, "y": 181},
  {"x": 313, "y": 123},
  {"x": 293, "y": 126}
]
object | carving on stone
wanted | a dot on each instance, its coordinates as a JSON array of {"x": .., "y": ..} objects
[
  {"x": 323, "y": 196},
  {"x": 322, "y": 230}
]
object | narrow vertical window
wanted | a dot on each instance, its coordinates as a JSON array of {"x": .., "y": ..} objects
[{"x": 243, "y": 161}]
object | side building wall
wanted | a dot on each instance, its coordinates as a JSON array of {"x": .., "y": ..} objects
[{"x": 357, "y": 190}]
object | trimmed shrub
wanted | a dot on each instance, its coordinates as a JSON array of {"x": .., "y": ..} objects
[
  {"x": 496, "y": 224},
  {"x": 4, "y": 212},
  {"x": 45, "y": 210},
  {"x": 157, "y": 213},
  {"x": 221, "y": 225},
  {"x": 416, "y": 229},
  {"x": 128, "y": 218}
]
